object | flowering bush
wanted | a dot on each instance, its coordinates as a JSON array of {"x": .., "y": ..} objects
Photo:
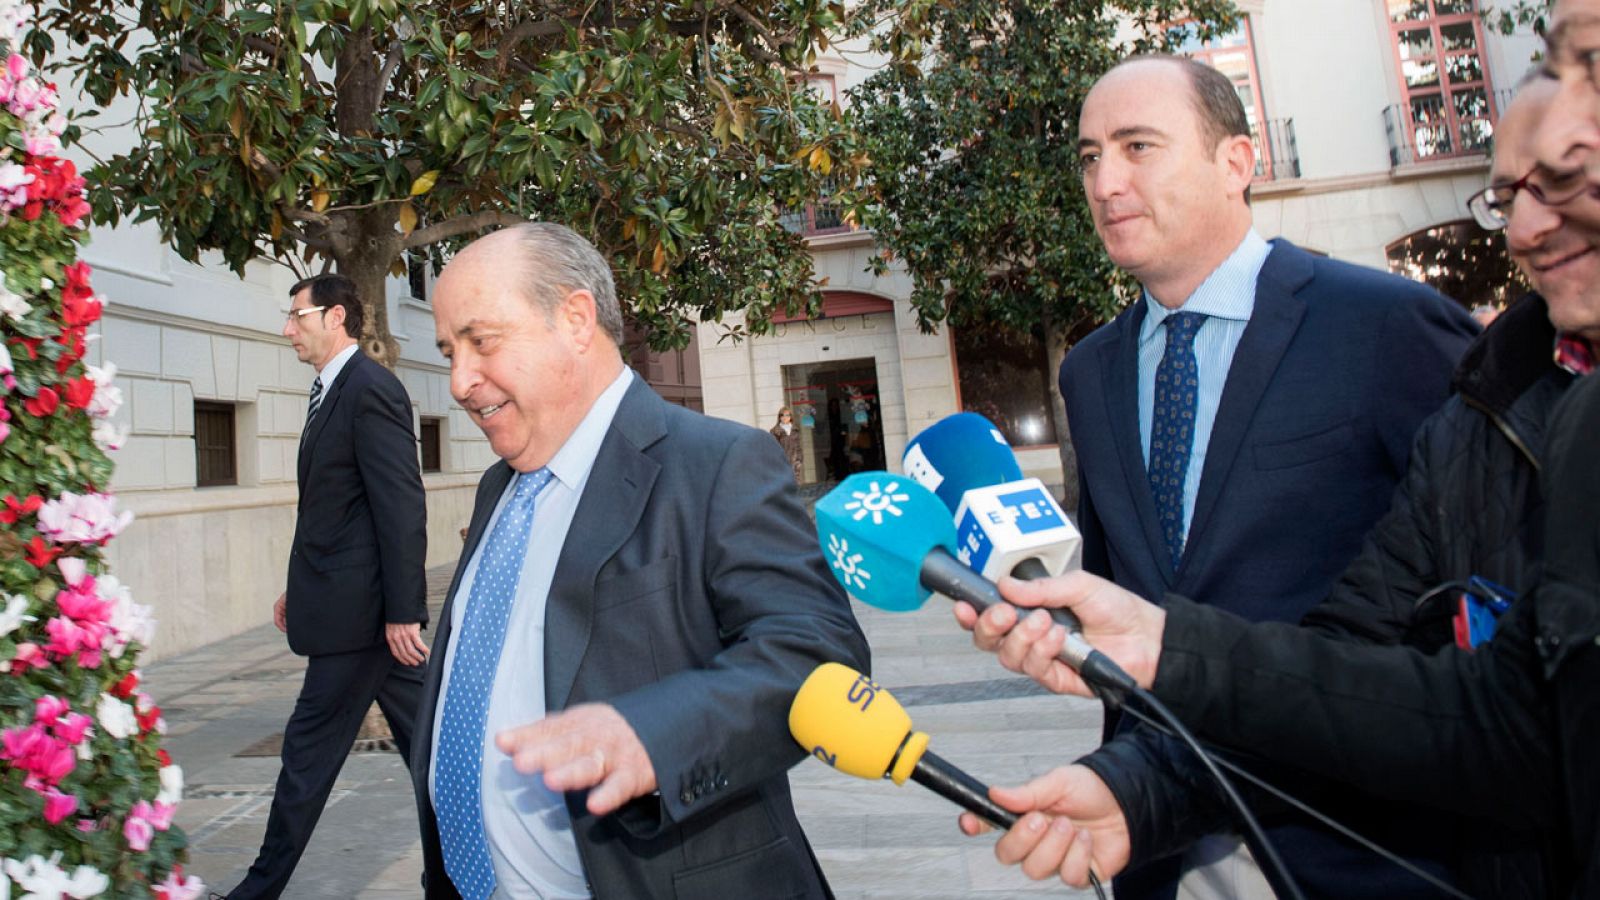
[{"x": 86, "y": 792}]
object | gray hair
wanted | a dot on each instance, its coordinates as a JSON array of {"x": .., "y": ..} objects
[{"x": 556, "y": 261}]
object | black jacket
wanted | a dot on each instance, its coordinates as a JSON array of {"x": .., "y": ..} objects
[
  {"x": 1508, "y": 733},
  {"x": 1470, "y": 504},
  {"x": 360, "y": 533}
]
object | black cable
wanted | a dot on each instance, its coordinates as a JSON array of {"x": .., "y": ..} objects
[
  {"x": 1253, "y": 830},
  {"x": 1303, "y": 807}
]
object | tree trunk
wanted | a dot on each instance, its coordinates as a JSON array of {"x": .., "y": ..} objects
[
  {"x": 372, "y": 243},
  {"x": 374, "y": 246},
  {"x": 1055, "y": 341}
]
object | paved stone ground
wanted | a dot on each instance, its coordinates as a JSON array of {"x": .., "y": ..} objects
[{"x": 876, "y": 841}]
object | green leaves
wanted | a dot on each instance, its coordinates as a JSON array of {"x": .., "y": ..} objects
[{"x": 974, "y": 186}]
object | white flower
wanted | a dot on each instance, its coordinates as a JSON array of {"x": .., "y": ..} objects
[
  {"x": 6, "y": 366},
  {"x": 129, "y": 621},
  {"x": 43, "y": 879},
  {"x": 116, "y": 718},
  {"x": 15, "y": 614},
  {"x": 12, "y": 304},
  {"x": 107, "y": 396},
  {"x": 109, "y": 435},
  {"x": 171, "y": 785}
]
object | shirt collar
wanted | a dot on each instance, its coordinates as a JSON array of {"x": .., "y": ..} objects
[
  {"x": 336, "y": 365},
  {"x": 1229, "y": 292},
  {"x": 572, "y": 463}
]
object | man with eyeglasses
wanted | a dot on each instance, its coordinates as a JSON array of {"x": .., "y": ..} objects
[
  {"x": 355, "y": 602},
  {"x": 1470, "y": 506},
  {"x": 1569, "y": 136}
]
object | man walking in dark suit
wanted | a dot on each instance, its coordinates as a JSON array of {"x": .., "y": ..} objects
[
  {"x": 1241, "y": 426},
  {"x": 639, "y": 598},
  {"x": 355, "y": 603}
]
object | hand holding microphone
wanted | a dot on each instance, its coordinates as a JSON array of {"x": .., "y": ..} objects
[
  {"x": 856, "y": 726},
  {"x": 890, "y": 542}
]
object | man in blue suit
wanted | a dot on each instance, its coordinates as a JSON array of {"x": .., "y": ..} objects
[{"x": 1241, "y": 426}]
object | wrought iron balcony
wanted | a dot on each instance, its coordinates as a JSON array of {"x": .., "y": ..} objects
[
  {"x": 821, "y": 217},
  {"x": 1425, "y": 129},
  {"x": 1277, "y": 157}
]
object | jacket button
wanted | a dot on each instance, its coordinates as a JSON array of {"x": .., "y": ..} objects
[
  {"x": 686, "y": 797},
  {"x": 722, "y": 781}
]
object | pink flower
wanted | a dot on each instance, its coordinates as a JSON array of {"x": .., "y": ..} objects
[
  {"x": 54, "y": 761},
  {"x": 17, "y": 67},
  {"x": 159, "y": 815},
  {"x": 72, "y": 727},
  {"x": 86, "y": 825},
  {"x": 138, "y": 831},
  {"x": 18, "y": 743},
  {"x": 177, "y": 887},
  {"x": 84, "y": 518},
  {"x": 49, "y": 708},
  {"x": 29, "y": 656},
  {"x": 81, "y": 603},
  {"x": 66, "y": 637},
  {"x": 58, "y": 806}
]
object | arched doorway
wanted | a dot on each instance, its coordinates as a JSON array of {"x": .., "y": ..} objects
[{"x": 1461, "y": 261}]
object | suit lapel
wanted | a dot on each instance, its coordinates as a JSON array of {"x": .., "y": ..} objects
[
  {"x": 1121, "y": 365},
  {"x": 313, "y": 429},
  {"x": 1272, "y": 326},
  {"x": 612, "y": 503}
]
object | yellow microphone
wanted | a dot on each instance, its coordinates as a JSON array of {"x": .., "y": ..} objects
[{"x": 856, "y": 726}]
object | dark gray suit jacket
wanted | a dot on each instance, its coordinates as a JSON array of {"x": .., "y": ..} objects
[
  {"x": 361, "y": 526},
  {"x": 692, "y": 596}
]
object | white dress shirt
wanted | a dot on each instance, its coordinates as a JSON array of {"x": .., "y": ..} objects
[{"x": 529, "y": 832}]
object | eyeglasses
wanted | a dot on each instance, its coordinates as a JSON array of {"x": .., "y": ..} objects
[
  {"x": 295, "y": 314},
  {"x": 1491, "y": 207}
]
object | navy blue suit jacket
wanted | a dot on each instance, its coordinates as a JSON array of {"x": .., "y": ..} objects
[{"x": 1336, "y": 369}]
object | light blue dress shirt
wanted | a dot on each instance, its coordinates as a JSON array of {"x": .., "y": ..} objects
[
  {"x": 1228, "y": 297},
  {"x": 530, "y": 834}
]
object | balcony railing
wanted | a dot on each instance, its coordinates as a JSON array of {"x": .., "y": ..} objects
[
  {"x": 1277, "y": 157},
  {"x": 1422, "y": 133},
  {"x": 822, "y": 217}
]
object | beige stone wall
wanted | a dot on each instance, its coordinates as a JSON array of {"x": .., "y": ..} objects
[{"x": 211, "y": 563}]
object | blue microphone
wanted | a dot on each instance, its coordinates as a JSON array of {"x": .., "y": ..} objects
[
  {"x": 1005, "y": 524},
  {"x": 890, "y": 542},
  {"x": 958, "y": 453}
]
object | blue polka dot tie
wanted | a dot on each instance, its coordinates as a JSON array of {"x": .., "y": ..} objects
[
  {"x": 1172, "y": 426},
  {"x": 458, "y": 769}
]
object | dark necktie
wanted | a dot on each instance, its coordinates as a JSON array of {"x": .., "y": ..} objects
[
  {"x": 1172, "y": 426},
  {"x": 316, "y": 399},
  {"x": 458, "y": 767}
]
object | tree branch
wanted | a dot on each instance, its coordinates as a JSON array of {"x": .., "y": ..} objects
[
  {"x": 392, "y": 62},
  {"x": 459, "y": 225}
]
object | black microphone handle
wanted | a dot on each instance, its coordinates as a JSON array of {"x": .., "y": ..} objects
[
  {"x": 938, "y": 775},
  {"x": 949, "y": 576},
  {"x": 944, "y": 574}
]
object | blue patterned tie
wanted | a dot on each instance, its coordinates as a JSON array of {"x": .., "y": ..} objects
[
  {"x": 1172, "y": 426},
  {"x": 458, "y": 771}
]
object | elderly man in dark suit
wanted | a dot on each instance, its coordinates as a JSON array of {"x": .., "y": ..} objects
[
  {"x": 639, "y": 598},
  {"x": 1242, "y": 425},
  {"x": 355, "y": 599}
]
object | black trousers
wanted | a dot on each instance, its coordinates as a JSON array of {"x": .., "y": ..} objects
[{"x": 334, "y": 699}]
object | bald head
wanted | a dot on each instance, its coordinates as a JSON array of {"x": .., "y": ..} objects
[{"x": 546, "y": 261}]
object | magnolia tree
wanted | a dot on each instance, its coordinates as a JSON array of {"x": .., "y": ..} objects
[{"x": 86, "y": 792}]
